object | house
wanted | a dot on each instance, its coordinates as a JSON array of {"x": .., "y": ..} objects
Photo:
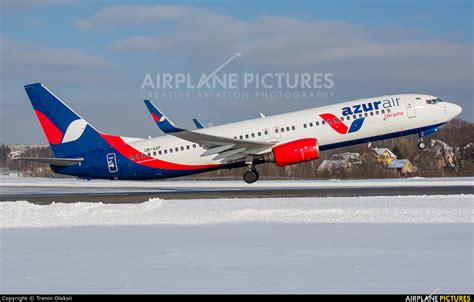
[
  {"x": 401, "y": 167},
  {"x": 340, "y": 163},
  {"x": 443, "y": 153},
  {"x": 383, "y": 156}
]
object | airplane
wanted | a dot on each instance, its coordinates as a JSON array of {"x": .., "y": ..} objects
[{"x": 284, "y": 139}]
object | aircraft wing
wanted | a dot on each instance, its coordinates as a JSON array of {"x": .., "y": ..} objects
[{"x": 224, "y": 148}]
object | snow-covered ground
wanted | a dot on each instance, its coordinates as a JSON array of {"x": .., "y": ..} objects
[
  {"x": 375, "y": 209},
  {"x": 393, "y": 244},
  {"x": 239, "y": 258},
  {"x": 7, "y": 181}
]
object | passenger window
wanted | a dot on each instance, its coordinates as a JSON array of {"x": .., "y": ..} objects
[
  {"x": 252, "y": 134},
  {"x": 187, "y": 147},
  {"x": 182, "y": 148},
  {"x": 159, "y": 152},
  {"x": 317, "y": 123},
  {"x": 246, "y": 136},
  {"x": 171, "y": 150},
  {"x": 149, "y": 154},
  {"x": 287, "y": 128},
  {"x": 259, "y": 133},
  {"x": 323, "y": 122},
  {"x": 282, "y": 130},
  {"x": 311, "y": 124},
  {"x": 377, "y": 112},
  {"x": 166, "y": 151},
  {"x": 354, "y": 116},
  {"x": 194, "y": 146},
  {"x": 360, "y": 115},
  {"x": 241, "y": 137},
  {"x": 154, "y": 153},
  {"x": 371, "y": 113},
  {"x": 335, "y": 120},
  {"x": 388, "y": 110},
  {"x": 138, "y": 156},
  {"x": 383, "y": 111},
  {"x": 132, "y": 157},
  {"x": 266, "y": 132},
  {"x": 366, "y": 114},
  {"x": 342, "y": 118},
  {"x": 304, "y": 125},
  {"x": 293, "y": 128},
  {"x": 348, "y": 118},
  {"x": 276, "y": 130},
  {"x": 329, "y": 121}
]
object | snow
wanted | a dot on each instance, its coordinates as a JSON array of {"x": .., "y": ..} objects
[
  {"x": 239, "y": 258},
  {"x": 377, "y": 244},
  {"x": 381, "y": 209}
]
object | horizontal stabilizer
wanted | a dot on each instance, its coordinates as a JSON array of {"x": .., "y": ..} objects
[{"x": 53, "y": 161}]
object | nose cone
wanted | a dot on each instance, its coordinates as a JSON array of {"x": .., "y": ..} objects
[{"x": 455, "y": 110}]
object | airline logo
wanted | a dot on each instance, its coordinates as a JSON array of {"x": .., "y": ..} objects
[
  {"x": 55, "y": 136},
  {"x": 339, "y": 126},
  {"x": 366, "y": 107}
]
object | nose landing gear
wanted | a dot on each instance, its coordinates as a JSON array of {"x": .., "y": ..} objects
[{"x": 421, "y": 144}]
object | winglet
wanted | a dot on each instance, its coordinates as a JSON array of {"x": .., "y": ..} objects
[
  {"x": 164, "y": 123},
  {"x": 198, "y": 124}
]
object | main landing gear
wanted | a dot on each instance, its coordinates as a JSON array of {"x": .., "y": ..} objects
[{"x": 251, "y": 175}]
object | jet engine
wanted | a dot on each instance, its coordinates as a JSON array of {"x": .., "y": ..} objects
[{"x": 294, "y": 152}]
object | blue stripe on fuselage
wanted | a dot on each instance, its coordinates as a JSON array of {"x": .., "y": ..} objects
[{"x": 376, "y": 138}]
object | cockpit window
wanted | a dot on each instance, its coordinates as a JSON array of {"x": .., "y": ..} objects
[{"x": 434, "y": 101}]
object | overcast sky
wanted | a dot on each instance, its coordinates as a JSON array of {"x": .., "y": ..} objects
[{"x": 95, "y": 55}]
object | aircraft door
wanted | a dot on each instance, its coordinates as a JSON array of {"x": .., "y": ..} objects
[{"x": 410, "y": 106}]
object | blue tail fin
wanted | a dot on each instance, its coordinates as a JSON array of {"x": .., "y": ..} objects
[
  {"x": 67, "y": 133},
  {"x": 164, "y": 123}
]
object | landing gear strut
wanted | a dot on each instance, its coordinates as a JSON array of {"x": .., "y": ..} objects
[
  {"x": 421, "y": 144},
  {"x": 251, "y": 175}
]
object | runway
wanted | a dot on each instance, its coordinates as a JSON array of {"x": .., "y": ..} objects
[{"x": 64, "y": 194}]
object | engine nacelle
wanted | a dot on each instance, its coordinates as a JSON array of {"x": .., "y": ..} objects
[{"x": 294, "y": 152}]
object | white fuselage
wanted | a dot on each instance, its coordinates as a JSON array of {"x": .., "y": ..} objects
[{"x": 382, "y": 116}]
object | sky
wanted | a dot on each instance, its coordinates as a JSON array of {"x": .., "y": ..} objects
[{"x": 95, "y": 55}]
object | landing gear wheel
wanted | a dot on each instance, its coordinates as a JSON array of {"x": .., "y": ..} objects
[
  {"x": 251, "y": 176},
  {"x": 421, "y": 145}
]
